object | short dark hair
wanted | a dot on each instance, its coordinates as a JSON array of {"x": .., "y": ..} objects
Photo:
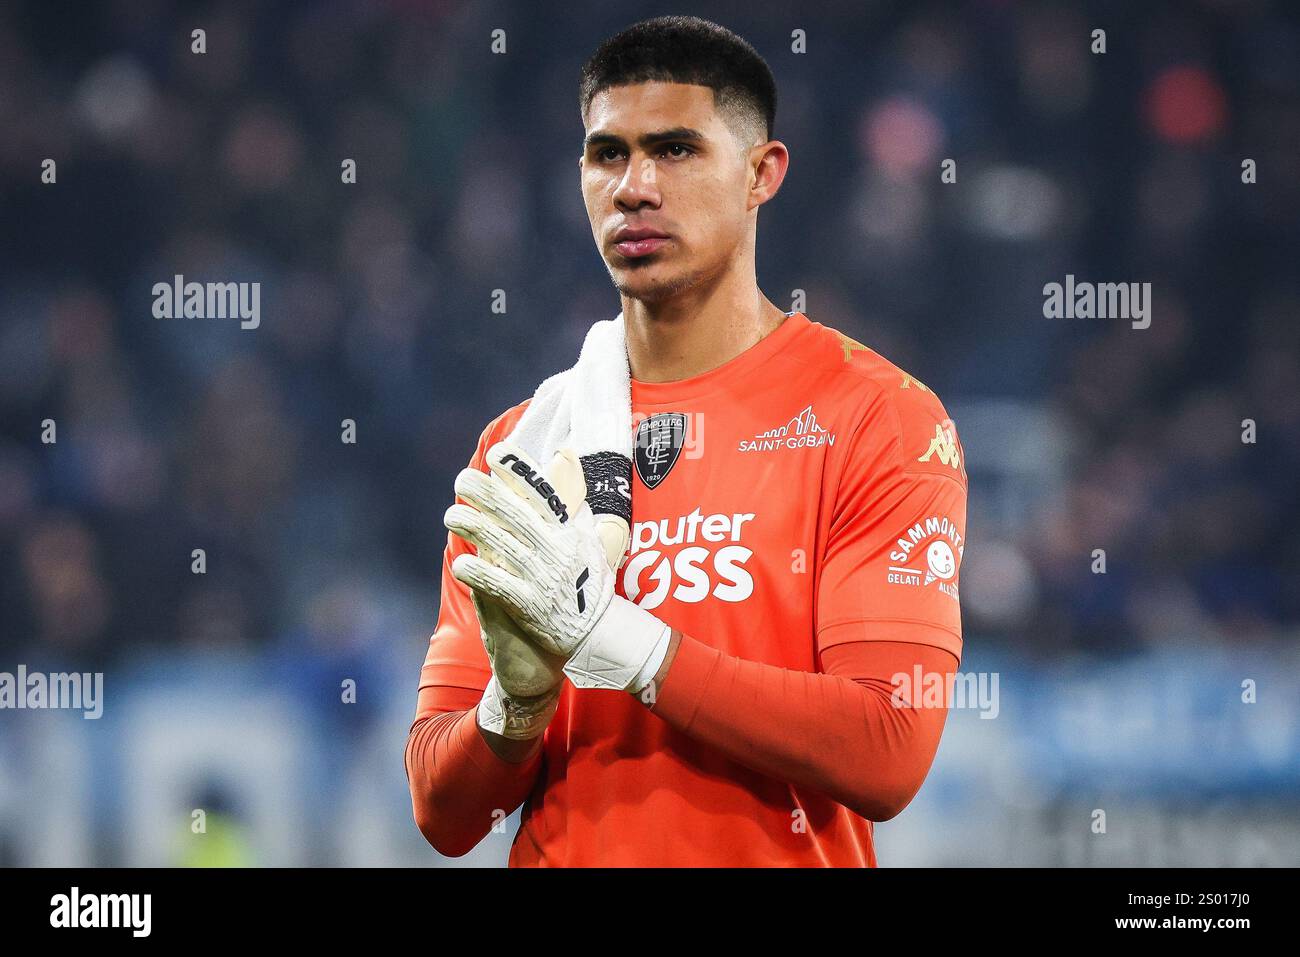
[{"x": 690, "y": 50}]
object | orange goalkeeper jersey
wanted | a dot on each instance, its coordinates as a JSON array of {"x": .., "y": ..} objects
[{"x": 806, "y": 494}]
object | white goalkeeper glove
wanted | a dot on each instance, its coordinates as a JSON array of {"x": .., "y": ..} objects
[
  {"x": 551, "y": 571},
  {"x": 524, "y": 691}
]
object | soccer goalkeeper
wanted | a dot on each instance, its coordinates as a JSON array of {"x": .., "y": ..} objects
[{"x": 721, "y": 691}]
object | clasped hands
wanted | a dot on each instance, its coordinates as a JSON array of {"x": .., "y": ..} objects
[{"x": 542, "y": 584}]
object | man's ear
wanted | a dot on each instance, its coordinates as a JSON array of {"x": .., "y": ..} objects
[{"x": 768, "y": 163}]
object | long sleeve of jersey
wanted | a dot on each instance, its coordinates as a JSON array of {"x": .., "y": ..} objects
[
  {"x": 842, "y": 732},
  {"x": 459, "y": 788}
]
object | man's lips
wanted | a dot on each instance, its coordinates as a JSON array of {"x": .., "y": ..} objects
[
  {"x": 634, "y": 248},
  {"x": 636, "y": 242}
]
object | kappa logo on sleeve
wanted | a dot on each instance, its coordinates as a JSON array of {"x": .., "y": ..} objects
[
  {"x": 943, "y": 447},
  {"x": 928, "y": 553}
]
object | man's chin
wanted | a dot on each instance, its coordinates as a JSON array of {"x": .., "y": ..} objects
[{"x": 649, "y": 284}]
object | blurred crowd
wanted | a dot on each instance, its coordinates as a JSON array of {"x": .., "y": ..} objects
[{"x": 377, "y": 299}]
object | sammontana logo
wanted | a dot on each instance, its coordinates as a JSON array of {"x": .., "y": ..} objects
[
  {"x": 801, "y": 432},
  {"x": 928, "y": 552}
]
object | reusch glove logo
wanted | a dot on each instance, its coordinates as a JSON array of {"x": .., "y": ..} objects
[{"x": 538, "y": 484}]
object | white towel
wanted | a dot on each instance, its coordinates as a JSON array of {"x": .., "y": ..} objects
[{"x": 588, "y": 408}]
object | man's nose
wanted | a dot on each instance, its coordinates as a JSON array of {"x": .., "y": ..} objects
[{"x": 638, "y": 186}]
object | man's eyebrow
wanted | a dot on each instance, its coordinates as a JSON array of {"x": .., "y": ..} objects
[{"x": 674, "y": 135}]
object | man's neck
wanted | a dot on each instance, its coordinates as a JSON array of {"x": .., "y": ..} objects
[{"x": 689, "y": 335}]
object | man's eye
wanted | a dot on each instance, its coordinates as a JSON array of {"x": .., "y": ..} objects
[
  {"x": 604, "y": 155},
  {"x": 685, "y": 150}
]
